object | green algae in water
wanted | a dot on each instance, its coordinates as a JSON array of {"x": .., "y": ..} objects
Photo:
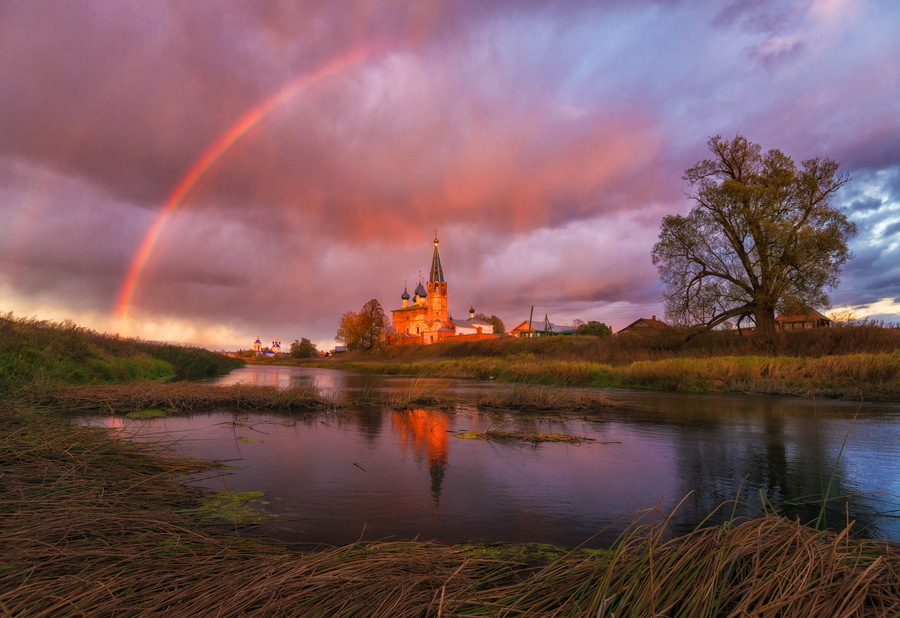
[
  {"x": 248, "y": 440},
  {"x": 234, "y": 507},
  {"x": 521, "y": 436},
  {"x": 149, "y": 413},
  {"x": 471, "y": 435}
]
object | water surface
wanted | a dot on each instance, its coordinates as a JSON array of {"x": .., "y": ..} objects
[{"x": 372, "y": 473}]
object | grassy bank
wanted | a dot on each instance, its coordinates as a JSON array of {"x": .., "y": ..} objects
[
  {"x": 91, "y": 526},
  {"x": 38, "y": 350},
  {"x": 627, "y": 348},
  {"x": 143, "y": 396},
  {"x": 837, "y": 362}
]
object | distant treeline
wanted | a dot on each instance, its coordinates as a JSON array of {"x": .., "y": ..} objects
[{"x": 39, "y": 350}]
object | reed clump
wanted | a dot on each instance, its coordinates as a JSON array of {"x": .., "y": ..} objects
[
  {"x": 543, "y": 398},
  {"x": 769, "y": 566},
  {"x": 421, "y": 396},
  {"x": 179, "y": 396}
]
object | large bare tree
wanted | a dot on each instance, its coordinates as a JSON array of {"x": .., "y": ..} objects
[{"x": 762, "y": 236}]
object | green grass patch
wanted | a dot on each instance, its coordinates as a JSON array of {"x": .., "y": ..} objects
[
  {"x": 42, "y": 351},
  {"x": 150, "y": 413}
]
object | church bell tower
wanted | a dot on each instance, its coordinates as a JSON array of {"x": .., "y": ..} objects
[{"x": 437, "y": 287}]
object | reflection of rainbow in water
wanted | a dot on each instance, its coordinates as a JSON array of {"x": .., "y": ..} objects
[
  {"x": 426, "y": 432},
  {"x": 209, "y": 158}
]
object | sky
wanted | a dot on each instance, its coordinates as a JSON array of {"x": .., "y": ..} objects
[{"x": 212, "y": 172}]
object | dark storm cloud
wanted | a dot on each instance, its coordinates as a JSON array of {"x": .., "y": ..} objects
[
  {"x": 546, "y": 141},
  {"x": 866, "y": 204}
]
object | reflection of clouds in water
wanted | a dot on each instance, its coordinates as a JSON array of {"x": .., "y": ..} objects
[
  {"x": 656, "y": 445},
  {"x": 282, "y": 376}
]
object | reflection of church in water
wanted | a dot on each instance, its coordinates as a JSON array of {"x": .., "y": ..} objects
[{"x": 426, "y": 433}]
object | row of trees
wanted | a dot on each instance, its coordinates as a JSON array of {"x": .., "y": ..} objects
[{"x": 494, "y": 321}]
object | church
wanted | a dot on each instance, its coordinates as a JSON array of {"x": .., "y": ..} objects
[{"x": 425, "y": 317}]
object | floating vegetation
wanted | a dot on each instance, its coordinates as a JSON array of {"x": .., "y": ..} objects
[
  {"x": 522, "y": 436},
  {"x": 234, "y": 507},
  {"x": 134, "y": 397},
  {"x": 544, "y": 398}
]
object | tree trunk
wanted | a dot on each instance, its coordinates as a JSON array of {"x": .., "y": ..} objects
[{"x": 765, "y": 322}]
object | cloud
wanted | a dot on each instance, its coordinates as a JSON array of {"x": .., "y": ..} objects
[
  {"x": 544, "y": 141},
  {"x": 776, "y": 50},
  {"x": 866, "y": 205},
  {"x": 891, "y": 228}
]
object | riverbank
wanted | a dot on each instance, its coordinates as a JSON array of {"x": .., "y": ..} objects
[
  {"x": 850, "y": 362},
  {"x": 872, "y": 376},
  {"x": 34, "y": 351},
  {"x": 94, "y": 526}
]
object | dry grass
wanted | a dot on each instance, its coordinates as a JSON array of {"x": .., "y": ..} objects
[
  {"x": 181, "y": 396},
  {"x": 544, "y": 398},
  {"x": 89, "y": 526},
  {"x": 765, "y": 567}
]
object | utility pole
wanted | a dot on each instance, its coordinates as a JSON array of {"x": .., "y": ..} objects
[{"x": 531, "y": 317}]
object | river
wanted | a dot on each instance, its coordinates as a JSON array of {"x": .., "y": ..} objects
[{"x": 366, "y": 472}]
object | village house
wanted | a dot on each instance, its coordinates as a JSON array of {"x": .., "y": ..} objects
[
  {"x": 542, "y": 328},
  {"x": 809, "y": 319},
  {"x": 425, "y": 317},
  {"x": 644, "y": 325}
]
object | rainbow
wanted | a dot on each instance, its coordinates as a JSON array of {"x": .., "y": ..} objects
[{"x": 218, "y": 148}]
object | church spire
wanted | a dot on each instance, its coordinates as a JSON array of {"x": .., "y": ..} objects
[{"x": 437, "y": 271}]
